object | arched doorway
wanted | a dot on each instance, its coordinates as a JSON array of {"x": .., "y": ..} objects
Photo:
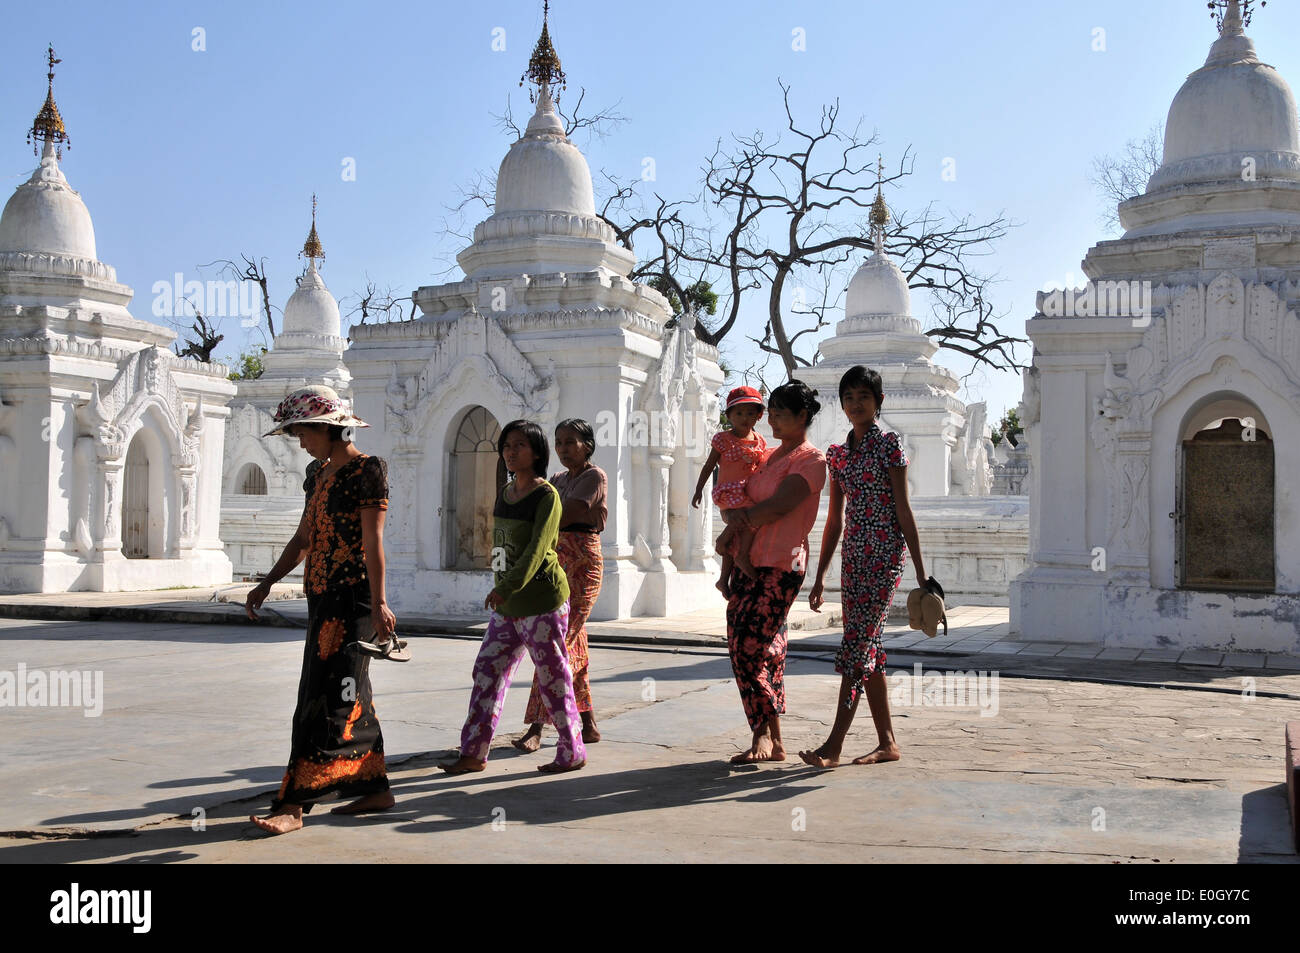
[
  {"x": 1225, "y": 506},
  {"x": 135, "y": 501},
  {"x": 251, "y": 480},
  {"x": 475, "y": 475}
]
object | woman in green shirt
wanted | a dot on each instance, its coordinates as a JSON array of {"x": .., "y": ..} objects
[{"x": 530, "y": 608}]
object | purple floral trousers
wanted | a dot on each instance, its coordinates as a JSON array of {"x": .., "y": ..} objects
[{"x": 542, "y": 636}]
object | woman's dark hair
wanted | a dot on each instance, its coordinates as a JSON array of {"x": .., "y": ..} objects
[
  {"x": 794, "y": 396},
  {"x": 586, "y": 436},
  {"x": 536, "y": 440},
  {"x": 859, "y": 376}
]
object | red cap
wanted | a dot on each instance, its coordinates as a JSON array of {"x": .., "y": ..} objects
[{"x": 744, "y": 395}]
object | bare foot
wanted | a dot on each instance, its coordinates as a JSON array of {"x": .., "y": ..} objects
[
  {"x": 280, "y": 823},
  {"x": 590, "y": 734},
  {"x": 762, "y": 750},
  {"x": 821, "y": 758},
  {"x": 464, "y": 765},
  {"x": 881, "y": 754},
  {"x": 530, "y": 740},
  {"x": 723, "y": 588},
  {"x": 379, "y": 801},
  {"x": 556, "y": 768}
]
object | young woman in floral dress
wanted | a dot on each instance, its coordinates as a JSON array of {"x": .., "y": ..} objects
[{"x": 868, "y": 479}]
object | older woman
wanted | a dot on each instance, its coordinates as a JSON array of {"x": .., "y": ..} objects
[
  {"x": 582, "y": 488},
  {"x": 337, "y": 747},
  {"x": 785, "y": 489}
]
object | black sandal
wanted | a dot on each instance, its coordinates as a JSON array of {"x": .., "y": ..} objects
[{"x": 394, "y": 649}]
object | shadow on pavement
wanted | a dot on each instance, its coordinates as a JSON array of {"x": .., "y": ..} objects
[
  {"x": 432, "y": 802},
  {"x": 1266, "y": 827}
]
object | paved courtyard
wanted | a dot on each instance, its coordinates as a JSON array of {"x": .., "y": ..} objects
[{"x": 195, "y": 726}]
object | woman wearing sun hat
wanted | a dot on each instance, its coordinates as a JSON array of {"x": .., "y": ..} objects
[{"x": 337, "y": 746}]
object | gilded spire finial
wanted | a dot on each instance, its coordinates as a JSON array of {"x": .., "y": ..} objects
[
  {"x": 879, "y": 216},
  {"x": 1232, "y": 16},
  {"x": 544, "y": 65},
  {"x": 312, "y": 248},
  {"x": 48, "y": 126}
]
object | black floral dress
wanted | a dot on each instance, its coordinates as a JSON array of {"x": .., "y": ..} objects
[
  {"x": 337, "y": 746},
  {"x": 874, "y": 550}
]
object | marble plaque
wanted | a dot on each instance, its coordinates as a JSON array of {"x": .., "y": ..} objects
[
  {"x": 1228, "y": 521},
  {"x": 1228, "y": 253}
]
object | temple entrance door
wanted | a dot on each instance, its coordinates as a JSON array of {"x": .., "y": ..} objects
[
  {"x": 135, "y": 502},
  {"x": 1225, "y": 509},
  {"x": 476, "y": 475}
]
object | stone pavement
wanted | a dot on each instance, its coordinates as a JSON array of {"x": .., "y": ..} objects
[
  {"x": 970, "y": 628},
  {"x": 1076, "y": 760}
]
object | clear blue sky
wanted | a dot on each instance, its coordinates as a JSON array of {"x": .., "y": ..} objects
[{"x": 184, "y": 157}]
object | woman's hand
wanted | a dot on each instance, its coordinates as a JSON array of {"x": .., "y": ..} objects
[
  {"x": 815, "y": 600},
  {"x": 256, "y": 596},
  {"x": 740, "y": 517},
  {"x": 384, "y": 621},
  {"x": 493, "y": 600}
]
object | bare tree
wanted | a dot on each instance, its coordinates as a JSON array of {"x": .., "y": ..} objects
[
  {"x": 772, "y": 214},
  {"x": 375, "y": 302},
  {"x": 1122, "y": 177},
  {"x": 207, "y": 338},
  {"x": 254, "y": 270}
]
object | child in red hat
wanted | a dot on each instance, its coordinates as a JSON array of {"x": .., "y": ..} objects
[{"x": 740, "y": 451}]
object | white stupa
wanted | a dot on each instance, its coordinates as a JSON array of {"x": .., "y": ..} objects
[
  {"x": 1183, "y": 380},
  {"x": 262, "y": 496},
  {"x": 920, "y": 404},
  {"x": 545, "y": 325},
  {"x": 110, "y": 445}
]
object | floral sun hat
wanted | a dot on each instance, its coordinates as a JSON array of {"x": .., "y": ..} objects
[{"x": 317, "y": 404}]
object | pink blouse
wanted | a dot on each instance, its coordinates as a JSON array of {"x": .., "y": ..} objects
[{"x": 784, "y": 544}]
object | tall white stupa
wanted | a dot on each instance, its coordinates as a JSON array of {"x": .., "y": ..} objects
[
  {"x": 262, "y": 496},
  {"x": 110, "y": 445},
  {"x": 545, "y": 325},
  {"x": 1164, "y": 419}
]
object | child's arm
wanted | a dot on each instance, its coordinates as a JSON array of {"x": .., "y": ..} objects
[
  {"x": 546, "y": 526},
  {"x": 705, "y": 472}
]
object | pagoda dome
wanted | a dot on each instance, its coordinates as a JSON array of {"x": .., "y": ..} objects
[
  {"x": 544, "y": 171},
  {"x": 878, "y": 288},
  {"x": 1231, "y": 108},
  {"x": 46, "y": 216}
]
